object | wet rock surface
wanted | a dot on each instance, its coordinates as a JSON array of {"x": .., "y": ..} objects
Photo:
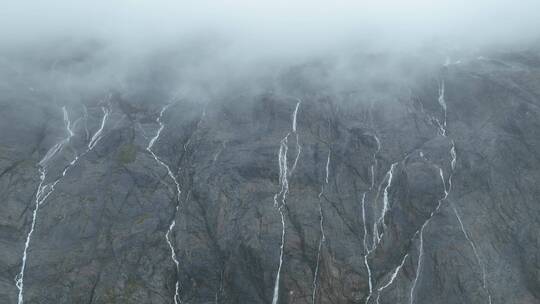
[{"x": 420, "y": 190}]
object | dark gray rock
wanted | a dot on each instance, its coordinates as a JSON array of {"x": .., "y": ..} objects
[{"x": 463, "y": 232}]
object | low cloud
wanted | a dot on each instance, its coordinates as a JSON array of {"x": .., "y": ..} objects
[{"x": 207, "y": 46}]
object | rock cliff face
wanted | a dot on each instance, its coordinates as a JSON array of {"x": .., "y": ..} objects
[{"x": 421, "y": 189}]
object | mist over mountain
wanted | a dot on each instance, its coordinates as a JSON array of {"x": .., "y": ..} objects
[{"x": 270, "y": 152}]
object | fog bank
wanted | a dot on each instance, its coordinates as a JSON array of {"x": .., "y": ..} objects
[{"x": 210, "y": 46}]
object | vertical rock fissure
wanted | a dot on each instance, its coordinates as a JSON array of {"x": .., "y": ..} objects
[
  {"x": 46, "y": 189},
  {"x": 321, "y": 226},
  {"x": 172, "y": 224},
  {"x": 367, "y": 251},
  {"x": 280, "y": 198}
]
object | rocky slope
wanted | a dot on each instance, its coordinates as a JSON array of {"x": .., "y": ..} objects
[{"x": 415, "y": 189}]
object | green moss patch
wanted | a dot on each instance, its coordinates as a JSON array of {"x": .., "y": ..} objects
[{"x": 127, "y": 154}]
